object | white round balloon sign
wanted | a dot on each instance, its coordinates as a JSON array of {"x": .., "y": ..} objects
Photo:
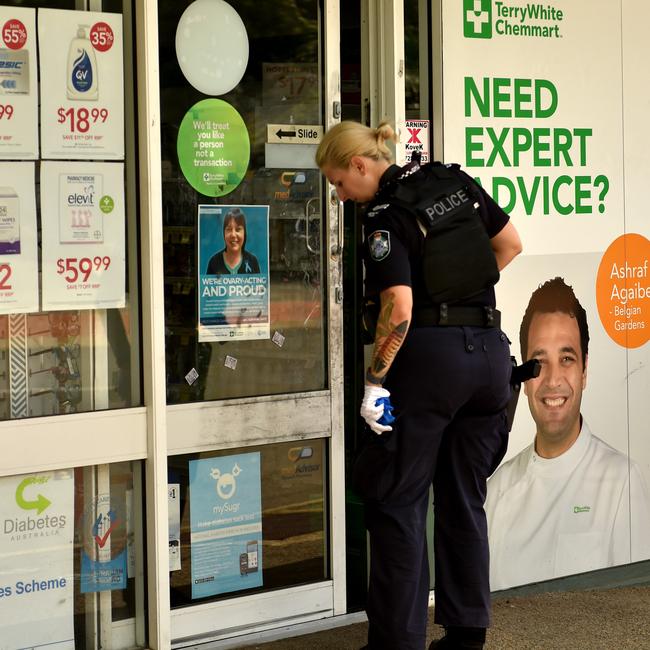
[{"x": 212, "y": 46}]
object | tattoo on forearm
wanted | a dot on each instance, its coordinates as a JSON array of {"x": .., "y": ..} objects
[
  {"x": 388, "y": 340},
  {"x": 384, "y": 328},
  {"x": 389, "y": 347}
]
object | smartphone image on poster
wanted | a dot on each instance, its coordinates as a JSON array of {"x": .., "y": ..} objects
[
  {"x": 80, "y": 219},
  {"x": 251, "y": 552},
  {"x": 249, "y": 561}
]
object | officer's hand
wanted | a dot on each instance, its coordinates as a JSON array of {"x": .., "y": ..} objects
[{"x": 370, "y": 412}]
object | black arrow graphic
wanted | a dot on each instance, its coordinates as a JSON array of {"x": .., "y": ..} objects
[{"x": 286, "y": 134}]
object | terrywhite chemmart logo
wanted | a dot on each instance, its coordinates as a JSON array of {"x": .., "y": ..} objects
[{"x": 487, "y": 18}]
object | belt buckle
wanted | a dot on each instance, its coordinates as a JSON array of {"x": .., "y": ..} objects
[{"x": 489, "y": 316}]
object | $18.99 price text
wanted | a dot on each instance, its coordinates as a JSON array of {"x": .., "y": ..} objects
[
  {"x": 81, "y": 119},
  {"x": 81, "y": 268}
]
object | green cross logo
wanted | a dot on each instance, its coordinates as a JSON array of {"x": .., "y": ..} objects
[{"x": 477, "y": 18}]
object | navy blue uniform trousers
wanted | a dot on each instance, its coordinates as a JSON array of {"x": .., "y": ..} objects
[{"x": 449, "y": 387}]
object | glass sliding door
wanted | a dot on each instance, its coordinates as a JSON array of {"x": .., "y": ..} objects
[{"x": 252, "y": 251}]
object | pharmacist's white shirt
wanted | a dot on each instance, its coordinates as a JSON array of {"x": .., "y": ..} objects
[{"x": 550, "y": 517}]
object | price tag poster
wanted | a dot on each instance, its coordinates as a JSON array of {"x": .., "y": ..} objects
[
  {"x": 18, "y": 252},
  {"x": 18, "y": 84},
  {"x": 83, "y": 236},
  {"x": 82, "y": 87}
]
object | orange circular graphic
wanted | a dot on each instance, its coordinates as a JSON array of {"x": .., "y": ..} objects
[{"x": 623, "y": 290}]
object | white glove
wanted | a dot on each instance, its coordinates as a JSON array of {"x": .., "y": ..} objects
[{"x": 370, "y": 412}]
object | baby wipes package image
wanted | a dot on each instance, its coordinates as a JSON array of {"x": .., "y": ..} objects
[{"x": 9, "y": 221}]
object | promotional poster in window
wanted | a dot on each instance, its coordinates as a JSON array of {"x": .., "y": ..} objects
[{"x": 233, "y": 272}]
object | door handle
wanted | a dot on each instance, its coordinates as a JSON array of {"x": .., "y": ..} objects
[
  {"x": 310, "y": 248},
  {"x": 337, "y": 248}
]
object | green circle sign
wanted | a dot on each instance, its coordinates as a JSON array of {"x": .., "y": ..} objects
[
  {"x": 106, "y": 204},
  {"x": 213, "y": 147}
]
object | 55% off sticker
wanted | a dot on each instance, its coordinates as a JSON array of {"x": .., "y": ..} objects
[
  {"x": 14, "y": 36},
  {"x": 82, "y": 270}
]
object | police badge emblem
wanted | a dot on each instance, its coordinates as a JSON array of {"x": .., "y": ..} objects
[{"x": 379, "y": 244}]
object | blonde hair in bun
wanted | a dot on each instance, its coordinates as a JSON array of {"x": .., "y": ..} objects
[{"x": 348, "y": 139}]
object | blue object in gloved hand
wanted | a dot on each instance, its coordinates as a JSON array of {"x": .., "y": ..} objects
[
  {"x": 372, "y": 408},
  {"x": 387, "y": 417}
]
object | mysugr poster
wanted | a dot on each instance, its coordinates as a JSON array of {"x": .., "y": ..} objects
[
  {"x": 226, "y": 524},
  {"x": 233, "y": 272},
  {"x": 82, "y": 84},
  {"x": 83, "y": 239},
  {"x": 541, "y": 105},
  {"x": 18, "y": 84}
]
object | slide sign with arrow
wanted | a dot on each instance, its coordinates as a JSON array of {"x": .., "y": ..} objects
[{"x": 294, "y": 133}]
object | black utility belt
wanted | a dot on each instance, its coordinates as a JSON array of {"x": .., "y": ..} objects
[{"x": 445, "y": 315}]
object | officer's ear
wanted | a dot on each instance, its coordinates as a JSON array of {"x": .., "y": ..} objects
[
  {"x": 358, "y": 163},
  {"x": 584, "y": 373}
]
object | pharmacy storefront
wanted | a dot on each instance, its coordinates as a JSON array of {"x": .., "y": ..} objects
[
  {"x": 175, "y": 338},
  {"x": 170, "y": 322}
]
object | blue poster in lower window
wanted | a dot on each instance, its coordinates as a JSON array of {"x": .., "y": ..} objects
[
  {"x": 225, "y": 524},
  {"x": 104, "y": 552}
]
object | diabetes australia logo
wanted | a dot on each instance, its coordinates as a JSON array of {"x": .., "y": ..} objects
[
  {"x": 490, "y": 18},
  {"x": 34, "y": 520}
]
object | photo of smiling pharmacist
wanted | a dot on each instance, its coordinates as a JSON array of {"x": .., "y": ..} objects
[
  {"x": 564, "y": 504},
  {"x": 234, "y": 258}
]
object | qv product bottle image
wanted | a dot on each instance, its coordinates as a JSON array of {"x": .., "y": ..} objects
[{"x": 82, "y": 68}]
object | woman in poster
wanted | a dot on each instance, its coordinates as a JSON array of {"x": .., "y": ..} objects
[{"x": 234, "y": 258}]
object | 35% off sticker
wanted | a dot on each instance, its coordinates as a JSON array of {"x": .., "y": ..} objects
[
  {"x": 75, "y": 269},
  {"x": 81, "y": 119}
]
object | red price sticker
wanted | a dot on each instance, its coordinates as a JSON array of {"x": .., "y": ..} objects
[
  {"x": 14, "y": 34},
  {"x": 81, "y": 119},
  {"x": 102, "y": 37},
  {"x": 81, "y": 268}
]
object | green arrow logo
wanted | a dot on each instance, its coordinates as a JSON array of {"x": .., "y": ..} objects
[{"x": 41, "y": 502}]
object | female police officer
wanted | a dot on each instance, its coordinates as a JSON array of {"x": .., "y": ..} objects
[{"x": 433, "y": 243}]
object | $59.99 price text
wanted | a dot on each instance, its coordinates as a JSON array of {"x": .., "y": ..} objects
[{"x": 81, "y": 268}]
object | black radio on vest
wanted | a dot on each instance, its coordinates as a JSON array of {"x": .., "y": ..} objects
[{"x": 458, "y": 258}]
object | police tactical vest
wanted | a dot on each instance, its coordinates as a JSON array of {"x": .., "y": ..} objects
[{"x": 458, "y": 260}]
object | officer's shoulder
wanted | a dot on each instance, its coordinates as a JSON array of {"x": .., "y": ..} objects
[{"x": 379, "y": 208}]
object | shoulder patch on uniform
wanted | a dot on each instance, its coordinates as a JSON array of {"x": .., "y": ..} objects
[
  {"x": 378, "y": 208},
  {"x": 379, "y": 245}
]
